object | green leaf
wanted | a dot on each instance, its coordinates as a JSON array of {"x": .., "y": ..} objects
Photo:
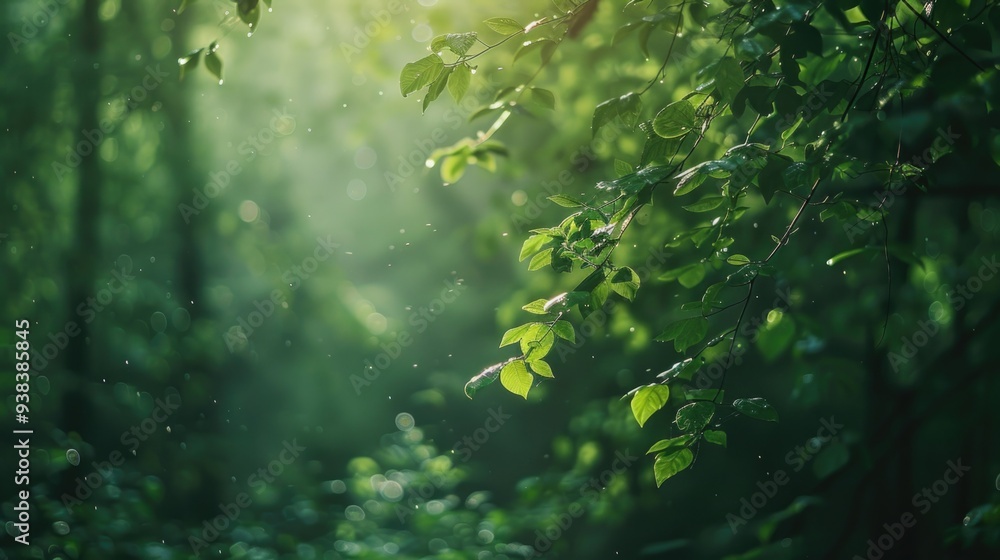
[
  {"x": 799, "y": 175},
  {"x": 541, "y": 368},
  {"x": 644, "y": 34},
  {"x": 537, "y": 307},
  {"x": 515, "y": 334},
  {"x": 756, "y": 408},
  {"x": 676, "y": 119},
  {"x": 688, "y": 182},
  {"x": 249, "y": 12},
  {"x": 667, "y": 465},
  {"x": 484, "y": 378},
  {"x": 671, "y": 445},
  {"x": 728, "y": 78},
  {"x": 847, "y": 254},
  {"x": 706, "y": 204},
  {"x": 692, "y": 276},
  {"x": 675, "y": 370},
  {"x": 715, "y": 436},
  {"x": 566, "y": 300},
  {"x": 543, "y": 97},
  {"x": 723, "y": 242},
  {"x": 675, "y": 273},
  {"x": 760, "y": 99},
  {"x": 504, "y": 26},
  {"x": 516, "y": 378},
  {"x": 695, "y": 416},
  {"x": 744, "y": 275},
  {"x": 711, "y": 297},
  {"x": 537, "y": 341},
  {"x": 529, "y": 46},
  {"x": 690, "y": 368},
  {"x": 748, "y": 49},
  {"x": 771, "y": 177},
  {"x": 212, "y": 61},
  {"x": 803, "y": 38},
  {"x": 648, "y": 400},
  {"x": 433, "y": 92},
  {"x": 565, "y": 201},
  {"x": 685, "y": 333},
  {"x": 458, "y": 43},
  {"x": 626, "y": 107},
  {"x": 541, "y": 260},
  {"x": 188, "y": 62},
  {"x": 623, "y": 168},
  {"x": 625, "y": 283},
  {"x": 738, "y": 260},
  {"x": 453, "y": 167},
  {"x": 634, "y": 183},
  {"x": 532, "y": 245},
  {"x": 419, "y": 74},
  {"x": 842, "y": 210},
  {"x": 458, "y": 82},
  {"x": 774, "y": 336},
  {"x": 591, "y": 282},
  {"x": 564, "y": 330},
  {"x": 624, "y": 30},
  {"x": 655, "y": 148}
]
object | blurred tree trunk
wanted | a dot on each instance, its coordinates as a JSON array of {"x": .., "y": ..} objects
[
  {"x": 203, "y": 414},
  {"x": 77, "y": 410}
]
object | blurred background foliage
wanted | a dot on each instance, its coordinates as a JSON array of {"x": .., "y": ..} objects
[{"x": 251, "y": 249}]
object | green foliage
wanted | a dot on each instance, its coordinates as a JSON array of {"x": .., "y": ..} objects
[
  {"x": 248, "y": 13},
  {"x": 417, "y": 75},
  {"x": 676, "y": 119},
  {"x": 667, "y": 465},
  {"x": 756, "y": 408},
  {"x": 750, "y": 83},
  {"x": 648, "y": 400}
]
